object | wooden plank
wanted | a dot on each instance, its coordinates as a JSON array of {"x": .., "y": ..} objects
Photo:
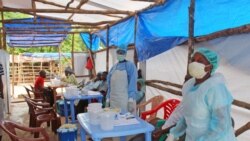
[
  {"x": 72, "y": 52},
  {"x": 50, "y": 27},
  {"x": 34, "y": 8},
  {"x": 190, "y": 35},
  {"x": 68, "y": 4},
  {"x": 78, "y": 7},
  {"x": 61, "y": 22},
  {"x": 52, "y": 3},
  {"x": 77, "y": 11},
  {"x": 51, "y": 32}
]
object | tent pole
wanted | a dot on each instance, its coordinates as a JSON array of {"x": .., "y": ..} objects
[
  {"x": 107, "y": 50},
  {"x": 34, "y": 8},
  {"x": 135, "y": 52},
  {"x": 60, "y": 64},
  {"x": 13, "y": 71},
  {"x": 1, "y": 45},
  {"x": 72, "y": 52},
  {"x": 4, "y": 32},
  {"x": 190, "y": 34},
  {"x": 1, "y": 33},
  {"x": 91, "y": 56}
]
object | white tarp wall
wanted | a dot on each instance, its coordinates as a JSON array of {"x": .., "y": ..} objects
[
  {"x": 100, "y": 59},
  {"x": 4, "y": 60},
  {"x": 80, "y": 60},
  {"x": 234, "y": 53}
]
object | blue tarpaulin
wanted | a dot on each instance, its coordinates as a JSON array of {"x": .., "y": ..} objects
[
  {"x": 120, "y": 35},
  {"x": 47, "y": 55},
  {"x": 95, "y": 41},
  {"x": 165, "y": 26},
  {"x": 17, "y": 30}
]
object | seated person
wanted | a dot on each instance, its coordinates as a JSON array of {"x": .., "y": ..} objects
[
  {"x": 70, "y": 76},
  {"x": 140, "y": 93},
  {"x": 141, "y": 80},
  {"x": 39, "y": 84},
  {"x": 93, "y": 85},
  {"x": 43, "y": 92},
  {"x": 103, "y": 87}
]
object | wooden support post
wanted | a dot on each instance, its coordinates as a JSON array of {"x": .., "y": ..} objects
[
  {"x": 91, "y": 56},
  {"x": 1, "y": 32},
  {"x": 190, "y": 35},
  {"x": 1, "y": 44},
  {"x": 33, "y": 71},
  {"x": 60, "y": 64},
  {"x": 191, "y": 30},
  {"x": 107, "y": 51},
  {"x": 135, "y": 52},
  {"x": 13, "y": 72},
  {"x": 72, "y": 52},
  {"x": 4, "y": 32},
  {"x": 34, "y": 8},
  {"x": 242, "y": 129}
]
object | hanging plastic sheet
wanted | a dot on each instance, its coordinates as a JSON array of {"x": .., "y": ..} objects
[
  {"x": 95, "y": 41},
  {"x": 154, "y": 46},
  {"x": 120, "y": 34},
  {"x": 157, "y": 28}
]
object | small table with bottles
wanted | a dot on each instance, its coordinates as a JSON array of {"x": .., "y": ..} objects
[
  {"x": 122, "y": 131},
  {"x": 87, "y": 95}
]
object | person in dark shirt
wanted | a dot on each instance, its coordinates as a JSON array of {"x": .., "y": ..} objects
[{"x": 1, "y": 98}]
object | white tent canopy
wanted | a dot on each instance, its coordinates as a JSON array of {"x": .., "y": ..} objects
[{"x": 92, "y": 5}]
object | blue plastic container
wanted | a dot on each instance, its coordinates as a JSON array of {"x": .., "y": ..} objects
[
  {"x": 60, "y": 107},
  {"x": 67, "y": 134}
]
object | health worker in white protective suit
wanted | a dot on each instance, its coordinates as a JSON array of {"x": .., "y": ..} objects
[
  {"x": 122, "y": 84},
  {"x": 206, "y": 102}
]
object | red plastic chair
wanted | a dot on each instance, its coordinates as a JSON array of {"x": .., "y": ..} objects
[
  {"x": 168, "y": 107},
  {"x": 9, "y": 127},
  {"x": 154, "y": 102}
]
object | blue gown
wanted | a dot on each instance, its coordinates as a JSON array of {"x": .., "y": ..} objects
[
  {"x": 206, "y": 110},
  {"x": 132, "y": 77}
]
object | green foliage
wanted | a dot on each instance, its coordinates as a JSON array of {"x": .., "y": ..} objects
[{"x": 15, "y": 15}]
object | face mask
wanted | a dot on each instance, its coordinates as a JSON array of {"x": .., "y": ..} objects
[
  {"x": 197, "y": 70},
  {"x": 121, "y": 57}
]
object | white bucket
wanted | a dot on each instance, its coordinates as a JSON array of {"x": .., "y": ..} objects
[
  {"x": 94, "y": 115},
  {"x": 107, "y": 119}
]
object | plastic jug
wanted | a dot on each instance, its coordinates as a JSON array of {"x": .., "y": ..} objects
[
  {"x": 107, "y": 119},
  {"x": 94, "y": 115}
]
